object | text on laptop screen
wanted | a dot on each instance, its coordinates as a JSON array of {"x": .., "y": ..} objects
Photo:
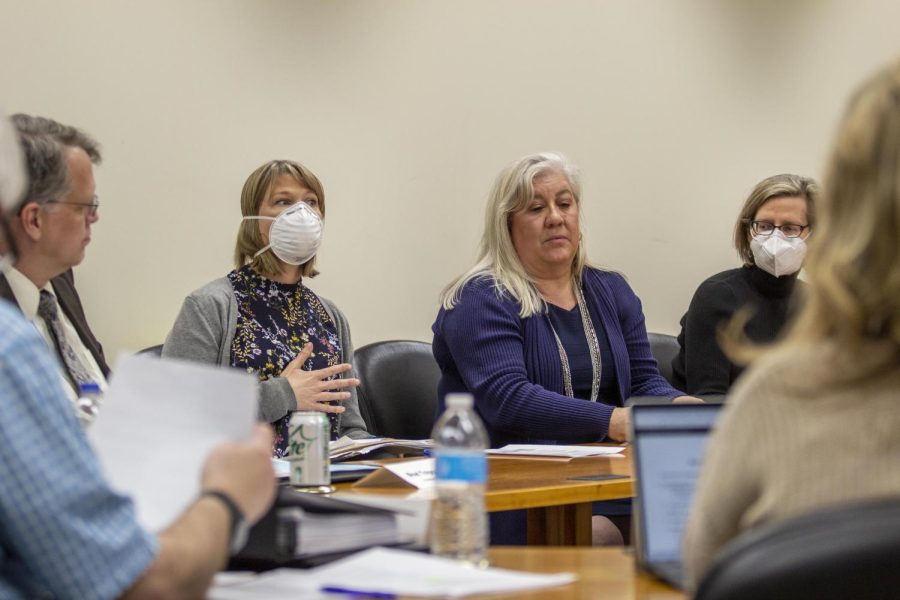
[{"x": 670, "y": 442}]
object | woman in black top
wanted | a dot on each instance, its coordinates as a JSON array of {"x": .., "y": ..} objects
[{"x": 770, "y": 238}]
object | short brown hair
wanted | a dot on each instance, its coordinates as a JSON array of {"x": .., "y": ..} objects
[
  {"x": 776, "y": 186},
  {"x": 256, "y": 189}
]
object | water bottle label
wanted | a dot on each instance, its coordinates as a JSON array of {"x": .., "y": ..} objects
[{"x": 460, "y": 466}]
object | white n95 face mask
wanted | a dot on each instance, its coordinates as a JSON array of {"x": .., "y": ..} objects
[
  {"x": 778, "y": 255},
  {"x": 296, "y": 234}
]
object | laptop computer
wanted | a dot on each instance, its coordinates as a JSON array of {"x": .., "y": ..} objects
[{"x": 668, "y": 444}]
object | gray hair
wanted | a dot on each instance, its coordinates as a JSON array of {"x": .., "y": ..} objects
[
  {"x": 45, "y": 163},
  {"x": 511, "y": 193},
  {"x": 12, "y": 174},
  {"x": 64, "y": 134}
]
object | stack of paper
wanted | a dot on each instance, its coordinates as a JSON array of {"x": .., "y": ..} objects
[
  {"x": 306, "y": 525},
  {"x": 346, "y": 472},
  {"x": 346, "y": 447},
  {"x": 556, "y": 451},
  {"x": 411, "y": 512},
  {"x": 327, "y": 533},
  {"x": 383, "y": 572}
]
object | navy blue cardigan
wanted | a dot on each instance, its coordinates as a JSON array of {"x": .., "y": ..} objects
[{"x": 512, "y": 367}]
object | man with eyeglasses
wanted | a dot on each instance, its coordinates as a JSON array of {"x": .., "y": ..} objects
[
  {"x": 51, "y": 230},
  {"x": 64, "y": 533}
]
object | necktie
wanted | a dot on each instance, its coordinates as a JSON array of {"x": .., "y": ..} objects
[{"x": 49, "y": 311}]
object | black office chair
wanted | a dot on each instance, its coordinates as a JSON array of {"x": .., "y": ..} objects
[
  {"x": 848, "y": 552},
  {"x": 664, "y": 348},
  {"x": 152, "y": 350},
  {"x": 398, "y": 388}
]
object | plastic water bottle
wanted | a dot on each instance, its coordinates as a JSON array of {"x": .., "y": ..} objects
[
  {"x": 458, "y": 520},
  {"x": 88, "y": 404}
]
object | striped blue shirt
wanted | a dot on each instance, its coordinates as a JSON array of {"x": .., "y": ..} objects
[{"x": 63, "y": 531}]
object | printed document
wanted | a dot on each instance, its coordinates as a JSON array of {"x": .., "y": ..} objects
[
  {"x": 159, "y": 420},
  {"x": 385, "y": 571}
]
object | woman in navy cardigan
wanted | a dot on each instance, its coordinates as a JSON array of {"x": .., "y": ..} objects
[{"x": 549, "y": 347}]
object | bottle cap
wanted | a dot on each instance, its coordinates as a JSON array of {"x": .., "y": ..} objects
[
  {"x": 89, "y": 387},
  {"x": 458, "y": 400}
]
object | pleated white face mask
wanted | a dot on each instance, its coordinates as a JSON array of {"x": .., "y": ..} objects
[
  {"x": 778, "y": 255},
  {"x": 296, "y": 234}
]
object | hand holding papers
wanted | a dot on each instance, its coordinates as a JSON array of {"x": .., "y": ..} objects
[{"x": 160, "y": 419}]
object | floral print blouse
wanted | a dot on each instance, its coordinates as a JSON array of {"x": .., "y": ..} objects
[{"x": 275, "y": 320}]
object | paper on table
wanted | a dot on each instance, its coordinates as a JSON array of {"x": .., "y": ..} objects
[
  {"x": 389, "y": 571},
  {"x": 347, "y": 447},
  {"x": 412, "y": 473},
  {"x": 554, "y": 450},
  {"x": 159, "y": 420},
  {"x": 283, "y": 467}
]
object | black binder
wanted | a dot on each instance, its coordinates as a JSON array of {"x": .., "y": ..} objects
[{"x": 273, "y": 541}]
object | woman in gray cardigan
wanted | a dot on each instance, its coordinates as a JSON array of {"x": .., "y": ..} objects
[{"x": 262, "y": 318}]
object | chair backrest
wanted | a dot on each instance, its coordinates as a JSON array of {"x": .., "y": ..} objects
[
  {"x": 398, "y": 388},
  {"x": 847, "y": 552},
  {"x": 152, "y": 350},
  {"x": 664, "y": 348}
]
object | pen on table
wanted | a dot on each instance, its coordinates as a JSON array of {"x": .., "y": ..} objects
[{"x": 332, "y": 589}]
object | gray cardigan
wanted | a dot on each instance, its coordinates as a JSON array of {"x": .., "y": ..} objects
[{"x": 205, "y": 328}]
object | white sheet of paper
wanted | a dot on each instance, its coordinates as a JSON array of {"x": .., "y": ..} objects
[
  {"x": 389, "y": 571},
  {"x": 553, "y": 450},
  {"x": 419, "y": 473},
  {"x": 159, "y": 420},
  {"x": 283, "y": 467}
]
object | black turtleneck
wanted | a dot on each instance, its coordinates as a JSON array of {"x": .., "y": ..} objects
[{"x": 701, "y": 367}]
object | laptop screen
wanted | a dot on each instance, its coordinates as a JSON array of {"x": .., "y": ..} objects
[{"x": 669, "y": 443}]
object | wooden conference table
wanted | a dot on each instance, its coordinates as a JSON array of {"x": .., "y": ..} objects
[
  {"x": 605, "y": 573},
  {"x": 559, "y": 507}
]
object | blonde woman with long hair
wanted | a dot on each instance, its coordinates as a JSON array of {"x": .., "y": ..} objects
[
  {"x": 549, "y": 346},
  {"x": 814, "y": 422}
]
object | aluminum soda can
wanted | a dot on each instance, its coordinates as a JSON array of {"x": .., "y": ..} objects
[{"x": 308, "y": 449}]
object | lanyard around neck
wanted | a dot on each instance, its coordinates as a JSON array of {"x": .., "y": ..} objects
[{"x": 593, "y": 347}]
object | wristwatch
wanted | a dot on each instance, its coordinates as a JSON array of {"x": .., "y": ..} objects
[{"x": 240, "y": 529}]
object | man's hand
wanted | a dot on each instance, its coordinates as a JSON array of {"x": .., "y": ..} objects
[{"x": 243, "y": 470}]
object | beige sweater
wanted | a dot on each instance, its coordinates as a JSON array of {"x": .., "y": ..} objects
[{"x": 778, "y": 453}]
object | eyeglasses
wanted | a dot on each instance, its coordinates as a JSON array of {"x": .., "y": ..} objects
[
  {"x": 90, "y": 208},
  {"x": 790, "y": 230}
]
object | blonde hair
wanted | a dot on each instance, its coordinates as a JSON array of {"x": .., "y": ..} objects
[
  {"x": 256, "y": 189},
  {"x": 511, "y": 193},
  {"x": 853, "y": 265},
  {"x": 776, "y": 186}
]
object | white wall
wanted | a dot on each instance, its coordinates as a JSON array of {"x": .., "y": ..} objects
[{"x": 407, "y": 110}]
